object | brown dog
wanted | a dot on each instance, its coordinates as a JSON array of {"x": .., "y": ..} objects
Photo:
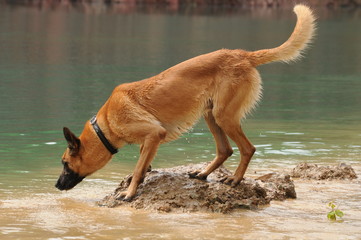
[{"x": 223, "y": 86}]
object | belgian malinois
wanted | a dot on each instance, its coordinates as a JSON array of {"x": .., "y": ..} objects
[{"x": 223, "y": 86}]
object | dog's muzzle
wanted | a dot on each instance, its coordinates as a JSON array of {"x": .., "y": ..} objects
[{"x": 68, "y": 179}]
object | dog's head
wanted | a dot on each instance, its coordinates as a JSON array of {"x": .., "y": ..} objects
[{"x": 83, "y": 156}]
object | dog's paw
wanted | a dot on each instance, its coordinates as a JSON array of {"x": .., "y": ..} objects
[
  {"x": 120, "y": 195},
  {"x": 124, "y": 196},
  {"x": 128, "y": 199},
  {"x": 231, "y": 180},
  {"x": 197, "y": 175}
]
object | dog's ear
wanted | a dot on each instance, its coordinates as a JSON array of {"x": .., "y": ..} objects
[{"x": 73, "y": 141}]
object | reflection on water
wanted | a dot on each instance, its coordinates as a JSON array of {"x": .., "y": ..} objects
[{"x": 60, "y": 62}]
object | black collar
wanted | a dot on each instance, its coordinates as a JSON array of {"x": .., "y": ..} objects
[{"x": 107, "y": 144}]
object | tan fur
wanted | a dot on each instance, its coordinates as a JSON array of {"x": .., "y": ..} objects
[
  {"x": 292, "y": 49},
  {"x": 223, "y": 86}
]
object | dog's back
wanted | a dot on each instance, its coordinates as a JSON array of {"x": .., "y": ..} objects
[{"x": 179, "y": 96}]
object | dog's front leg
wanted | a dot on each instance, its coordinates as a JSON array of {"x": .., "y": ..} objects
[{"x": 152, "y": 135}]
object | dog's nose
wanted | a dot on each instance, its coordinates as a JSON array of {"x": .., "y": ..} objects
[
  {"x": 68, "y": 181},
  {"x": 59, "y": 185}
]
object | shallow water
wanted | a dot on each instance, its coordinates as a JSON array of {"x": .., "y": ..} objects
[{"x": 58, "y": 64}]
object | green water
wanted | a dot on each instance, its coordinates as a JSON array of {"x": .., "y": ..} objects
[{"x": 59, "y": 65}]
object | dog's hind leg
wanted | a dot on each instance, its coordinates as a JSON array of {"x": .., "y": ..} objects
[
  {"x": 151, "y": 136},
  {"x": 228, "y": 111},
  {"x": 247, "y": 150},
  {"x": 223, "y": 151},
  {"x": 234, "y": 130}
]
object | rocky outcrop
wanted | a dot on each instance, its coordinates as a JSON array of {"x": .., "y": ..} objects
[
  {"x": 313, "y": 171},
  {"x": 171, "y": 190}
]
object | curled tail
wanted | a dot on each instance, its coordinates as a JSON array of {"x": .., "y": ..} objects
[{"x": 292, "y": 49}]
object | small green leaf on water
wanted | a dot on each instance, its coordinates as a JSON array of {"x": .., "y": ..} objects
[
  {"x": 334, "y": 213},
  {"x": 339, "y": 213},
  {"x": 331, "y": 205},
  {"x": 331, "y": 215}
]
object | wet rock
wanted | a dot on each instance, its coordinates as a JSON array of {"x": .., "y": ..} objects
[
  {"x": 171, "y": 189},
  {"x": 312, "y": 171}
]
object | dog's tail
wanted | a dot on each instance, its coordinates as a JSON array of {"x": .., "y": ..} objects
[{"x": 292, "y": 49}]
